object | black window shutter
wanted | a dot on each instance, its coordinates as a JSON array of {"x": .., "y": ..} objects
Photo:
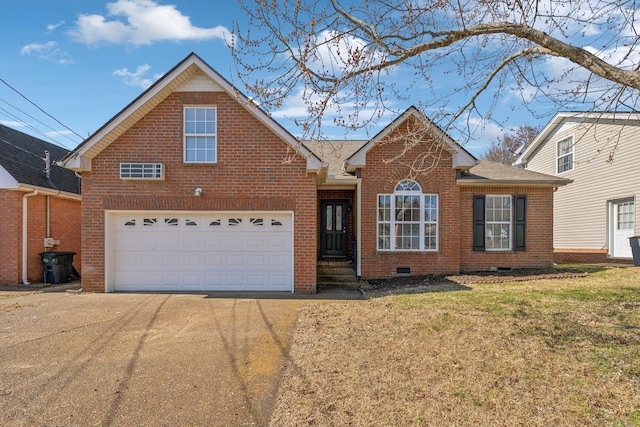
[
  {"x": 478, "y": 223},
  {"x": 520, "y": 216}
]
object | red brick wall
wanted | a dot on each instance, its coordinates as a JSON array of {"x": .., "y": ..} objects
[
  {"x": 585, "y": 256},
  {"x": 251, "y": 171},
  {"x": 380, "y": 176},
  {"x": 539, "y": 231},
  {"x": 347, "y": 195},
  {"x": 10, "y": 236},
  {"x": 64, "y": 225}
]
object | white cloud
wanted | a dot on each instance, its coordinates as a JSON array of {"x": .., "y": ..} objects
[
  {"x": 48, "y": 51},
  {"x": 141, "y": 22},
  {"x": 483, "y": 133},
  {"x": 337, "y": 53},
  {"x": 52, "y": 27},
  {"x": 137, "y": 78},
  {"x": 58, "y": 133},
  {"x": 12, "y": 123}
]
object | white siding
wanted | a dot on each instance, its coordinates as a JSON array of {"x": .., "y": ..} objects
[
  {"x": 199, "y": 83},
  {"x": 606, "y": 168}
]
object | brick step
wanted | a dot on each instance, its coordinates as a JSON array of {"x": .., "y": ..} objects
[
  {"x": 337, "y": 278},
  {"x": 335, "y": 271},
  {"x": 336, "y": 274}
]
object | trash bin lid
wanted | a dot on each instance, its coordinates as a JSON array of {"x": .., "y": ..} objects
[{"x": 56, "y": 253}]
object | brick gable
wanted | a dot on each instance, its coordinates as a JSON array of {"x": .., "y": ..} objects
[
  {"x": 381, "y": 176},
  {"x": 252, "y": 170}
]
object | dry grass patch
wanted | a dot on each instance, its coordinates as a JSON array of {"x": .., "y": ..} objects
[{"x": 548, "y": 352}]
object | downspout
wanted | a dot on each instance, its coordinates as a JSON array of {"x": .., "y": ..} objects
[
  {"x": 47, "y": 174},
  {"x": 25, "y": 245},
  {"x": 48, "y": 217},
  {"x": 359, "y": 228}
]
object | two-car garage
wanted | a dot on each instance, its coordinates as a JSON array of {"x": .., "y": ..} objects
[{"x": 199, "y": 251}]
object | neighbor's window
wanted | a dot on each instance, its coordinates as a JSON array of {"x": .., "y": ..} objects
[
  {"x": 498, "y": 223},
  {"x": 408, "y": 219},
  {"x": 565, "y": 154},
  {"x": 625, "y": 220},
  {"x": 200, "y": 137}
]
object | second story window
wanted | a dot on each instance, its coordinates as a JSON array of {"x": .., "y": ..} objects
[
  {"x": 565, "y": 154},
  {"x": 200, "y": 135}
]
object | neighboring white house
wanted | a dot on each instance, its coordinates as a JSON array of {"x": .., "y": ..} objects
[{"x": 595, "y": 215}]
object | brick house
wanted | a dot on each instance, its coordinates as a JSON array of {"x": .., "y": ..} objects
[
  {"x": 39, "y": 206},
  {"x": 191, "y": 187}
]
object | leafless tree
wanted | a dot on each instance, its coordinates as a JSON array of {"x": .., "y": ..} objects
[
  {"x": 506, "y": 149},
  {"x": 347, "y": 60}
]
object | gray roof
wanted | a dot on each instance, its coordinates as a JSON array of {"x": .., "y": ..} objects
[
  {"x": 21, "y": 156},
  {"x": 334, "y": 153},
  {"x": 492, "y": 173}
]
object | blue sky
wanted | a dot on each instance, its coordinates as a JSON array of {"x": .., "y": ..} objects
[{"x": 82, "y": 61}]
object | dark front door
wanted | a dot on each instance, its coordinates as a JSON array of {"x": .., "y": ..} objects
[{"x": 333, "y": 235}]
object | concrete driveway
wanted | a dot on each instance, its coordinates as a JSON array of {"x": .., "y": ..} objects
[{"x": 142, "y": 359}]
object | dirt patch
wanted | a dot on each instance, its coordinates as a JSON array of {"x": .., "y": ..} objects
[{"x": 434, "y": 282}]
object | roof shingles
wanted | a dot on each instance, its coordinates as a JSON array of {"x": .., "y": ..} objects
[{"x": 21, "y": 155}]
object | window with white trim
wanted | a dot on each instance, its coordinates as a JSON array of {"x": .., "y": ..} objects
[
  {"x": 407, "y": 219},
  {"x": 565, "y": 154},
  {"x": 498, "y": 223},
  {"x": 200, "y": 135}
]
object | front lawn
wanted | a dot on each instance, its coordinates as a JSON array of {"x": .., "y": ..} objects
[{"x": 544, "y": 352}]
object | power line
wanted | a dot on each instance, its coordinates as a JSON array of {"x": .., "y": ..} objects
[
  {"x": 38, "y": 107},
  {"x": 36, "y": 130},
  {"x": 31, "y": 127}
]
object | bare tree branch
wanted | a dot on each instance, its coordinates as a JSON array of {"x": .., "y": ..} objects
[{"x": 342, "y": 60}]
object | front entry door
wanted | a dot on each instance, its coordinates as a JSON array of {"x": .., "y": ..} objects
[{"x": 333, "y": 235}]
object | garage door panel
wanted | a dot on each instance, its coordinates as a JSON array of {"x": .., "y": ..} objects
[
  {"x": 191, "y": 241},
  {"x": 256, "y": 260},
  {"x": 170, "y": 261},
  {"x": 215, "y": 241},
  {"x": 214, "y": 281},
  {"x": 170, "y": 240},
  {"x": 202, "y": 251},
  {"x": 235, "y": 241},
  {"x": 279, "y": 261},
  {"x": 214, "y": 260}
]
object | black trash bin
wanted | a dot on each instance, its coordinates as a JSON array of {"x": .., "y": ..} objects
[
  {"x": 58, "y": 266},
  {"x": 635, "y": 249}
]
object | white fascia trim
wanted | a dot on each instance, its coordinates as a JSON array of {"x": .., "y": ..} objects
[
  {"x": 461, "y": 158},
  {"x": 80, "y": 162},
  {"x": 313, "y": 162},
  {"x": 6, "y": 179},
  {"x": 561, "y": 117}
]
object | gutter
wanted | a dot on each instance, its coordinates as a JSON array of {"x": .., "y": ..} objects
[
  {"x": 49, "y": 192},
  {"x": 25, "y": 245},
  {"x": 487, "y": 183}
]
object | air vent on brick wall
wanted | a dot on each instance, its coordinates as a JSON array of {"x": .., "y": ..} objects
[{"x": 150, "y": 171}]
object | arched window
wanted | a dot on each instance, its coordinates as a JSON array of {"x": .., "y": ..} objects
[{"x": 408, "y": 219}]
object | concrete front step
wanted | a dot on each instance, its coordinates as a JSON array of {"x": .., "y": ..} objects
[
  {"x": 338, "y": 285},
  {"x": 336, "y": 273}
]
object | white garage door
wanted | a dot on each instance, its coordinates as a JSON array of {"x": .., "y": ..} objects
[{"x": 173, "y": 251}]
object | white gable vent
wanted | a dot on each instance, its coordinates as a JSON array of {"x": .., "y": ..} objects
[{"x": 150, "y": 171}]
